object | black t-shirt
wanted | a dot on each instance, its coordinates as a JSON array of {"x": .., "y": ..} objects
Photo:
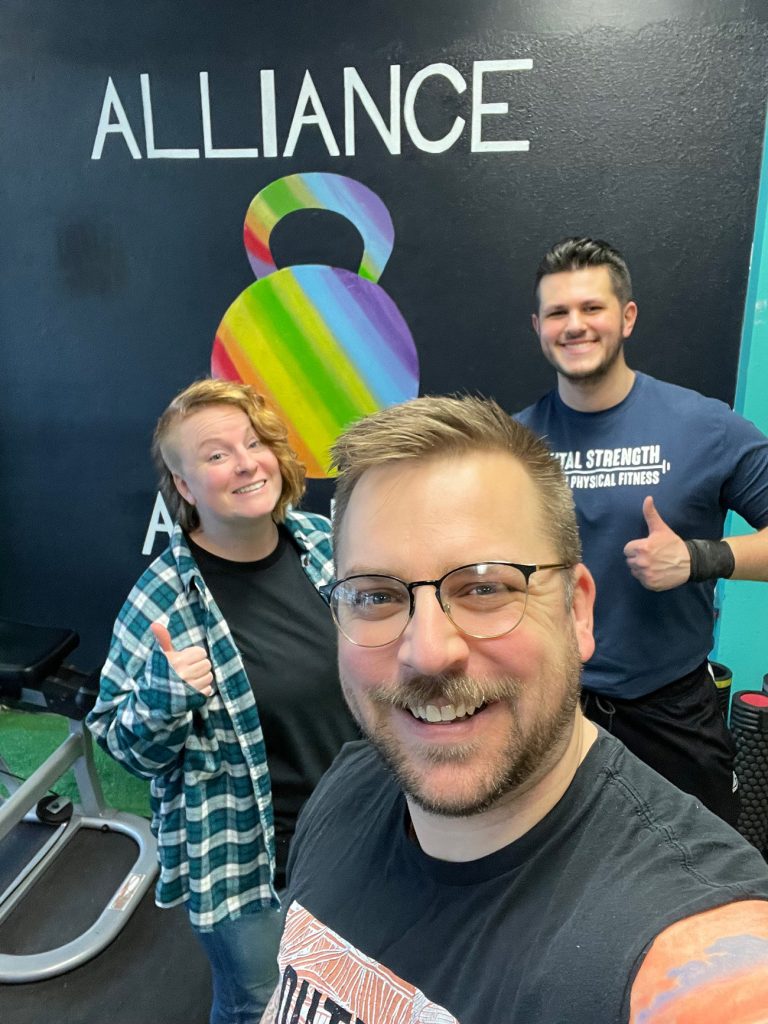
[
  {"x": 551, "y": 928},
  {"x": 286, "y": 638}
]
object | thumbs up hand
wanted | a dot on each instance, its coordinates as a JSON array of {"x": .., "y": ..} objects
[
  {"x": 191, "y": 664},
  {"x": 659, "y": 561}
]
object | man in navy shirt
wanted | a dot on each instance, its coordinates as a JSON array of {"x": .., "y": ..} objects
[{"x": 654, "y": 468}]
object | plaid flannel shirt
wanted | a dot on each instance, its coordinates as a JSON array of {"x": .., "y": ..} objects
[{"x": 210, "y": 788}]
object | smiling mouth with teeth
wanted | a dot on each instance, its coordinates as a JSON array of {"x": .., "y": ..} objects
[
  {"x": 250, "y": 487},
  {"x": 448, "y": 713}
]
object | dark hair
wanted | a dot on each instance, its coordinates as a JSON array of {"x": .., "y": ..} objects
[
  {"x": 578, "y": 253},
  {"x": 268, "y": 427}
]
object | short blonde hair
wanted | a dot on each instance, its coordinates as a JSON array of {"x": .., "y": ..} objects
[
  {"x": 448, "y": 425},
  {"x": 269, "y": 428}
]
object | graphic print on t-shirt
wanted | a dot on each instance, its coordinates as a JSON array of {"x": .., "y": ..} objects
[
  {"x": 639, "y": 465},
  {"x": 325, "y": 980}
]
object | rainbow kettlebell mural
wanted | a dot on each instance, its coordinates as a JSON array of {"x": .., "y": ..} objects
[{"x": 323, "y": 345}]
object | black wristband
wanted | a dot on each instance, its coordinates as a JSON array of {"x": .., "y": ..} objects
[{"x": 710, "y": 560}]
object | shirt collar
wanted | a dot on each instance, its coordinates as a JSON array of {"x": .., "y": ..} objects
[{"x": 189, "y": 573}]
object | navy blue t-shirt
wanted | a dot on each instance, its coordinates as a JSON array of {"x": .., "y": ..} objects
[{"x": 697, "y": 459}]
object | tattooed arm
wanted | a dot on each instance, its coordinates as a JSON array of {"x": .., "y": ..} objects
[{"x": 707, "y": 969}]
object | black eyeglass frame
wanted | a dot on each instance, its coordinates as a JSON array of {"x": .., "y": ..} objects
[{"x": 527, "y": 570}]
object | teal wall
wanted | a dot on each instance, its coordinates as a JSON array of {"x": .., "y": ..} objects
[{"x": 742, "y": 640}]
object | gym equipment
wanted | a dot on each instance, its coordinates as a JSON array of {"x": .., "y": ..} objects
[
  {"x": 749, "y": 725},
  {"x": 33, "y": 678},
  {"x": 723, "y": 681}
]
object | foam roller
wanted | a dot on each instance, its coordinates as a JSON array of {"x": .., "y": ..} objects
[
  {"x": 723, "y": 679},
  {"x": 749, "y": 726}
]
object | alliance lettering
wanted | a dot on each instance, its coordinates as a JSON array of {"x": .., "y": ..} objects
[{"x": 309, "y": 113}]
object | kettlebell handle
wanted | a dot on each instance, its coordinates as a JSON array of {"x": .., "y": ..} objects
[{"x": 319, "y": 190}]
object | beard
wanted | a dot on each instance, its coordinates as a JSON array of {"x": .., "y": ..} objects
[
  {"x": 530, "y": 748},
  {"x": 598, "y": 373}
]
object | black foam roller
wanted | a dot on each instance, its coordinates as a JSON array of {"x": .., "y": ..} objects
[
  {"x": 749, "y": 726},
  {"x": 723, "y": 679}
]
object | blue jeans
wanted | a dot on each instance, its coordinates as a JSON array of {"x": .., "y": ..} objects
[{"x": 243, "y": 957}]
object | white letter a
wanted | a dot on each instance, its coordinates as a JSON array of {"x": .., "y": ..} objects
[
  {"x": 160, "y": 522},
  {"x": 121, "y": 126}
]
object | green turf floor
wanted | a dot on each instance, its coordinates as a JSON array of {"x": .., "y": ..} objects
[{"x": 27, "y": 739}]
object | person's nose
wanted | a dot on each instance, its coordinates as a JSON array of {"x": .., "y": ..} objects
[
  {"x": 247, "y": 460},
  {"x": 431, "y": 644},
  {"x": 574, "y": 325}
]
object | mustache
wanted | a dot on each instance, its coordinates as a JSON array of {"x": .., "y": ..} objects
[{"x": 454, "y": 689}]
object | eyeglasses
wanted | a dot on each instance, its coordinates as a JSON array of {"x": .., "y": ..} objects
[{"x": 485, "y": 600}]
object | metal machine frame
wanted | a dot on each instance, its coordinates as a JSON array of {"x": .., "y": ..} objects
[{"x": 33, "y": 678}]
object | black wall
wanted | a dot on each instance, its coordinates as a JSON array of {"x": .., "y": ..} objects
[{"x": 644, "y": 128}]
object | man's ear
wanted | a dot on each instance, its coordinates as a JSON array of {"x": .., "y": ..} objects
[
  {"x": 535, "y": 323},
  {"x": 629, "y": 317},
  {"x": 183, "y": 489},
  {"x": 582, "y": 610}
]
